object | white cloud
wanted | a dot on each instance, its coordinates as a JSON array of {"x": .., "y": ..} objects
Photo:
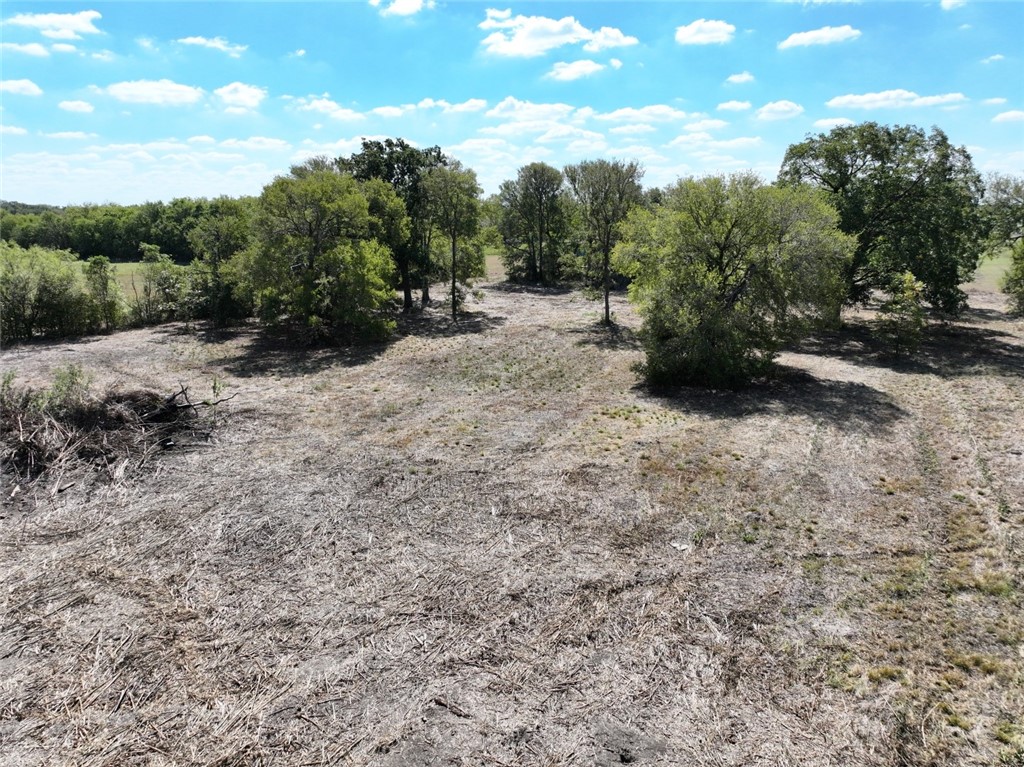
[
  {"x": 71, "y": 134},
  {"x": 470, "y": 105},
  {"x": 705, "y": 32},
  {"x": 20, "y": 87},
  {"x": 706, "y": 141},
  {"x": 740, "y": 78},
  {"x": 63, "y": 48},
  {"x": 733, "y": 106},
  {"x": 652, "y": 113},
  {"x": 29, "y": 49},
  {"x": 202, "y": 140},
  {"x": 615, "y": 63},
  {"x": 1013, "y": 116},
  {"x": 76, "y": 106},
  {"x": 566, "y": 71},
  {"x": 511, "y": 108},
  {"x": 103, "y": 56},
  {"x": 833, "y": 122},
  {"x": 629, "y": 130},
  {"x": 568, "y": 132},
  {"x": 324, "y": 105},
  {"x": 992, "y": 59},
  {"x": 823, "y": 36},
  {"x": 401, "y": 7},
  {"x": 59, "y": 26},
  {"x": 609, "y": 37},
  {"x": 392, "y": 111},
  {"x": 240, "y": 98},
  {"x": 528, "y": 36},
  {"x": 706, "y": 125},
  {"x": 164, "y": 92},
  {"x": 994, "y": 101},
  {"x": 215, "y": 43},
  {"x": 12, "y": 130},
  {"x": 779, "y": 110},
  {"x": 257, "y": 143},
  {"x": 892, "y": 99},
  {"x": 948, "y": 5},
  {"x": 298, "y": 53}
]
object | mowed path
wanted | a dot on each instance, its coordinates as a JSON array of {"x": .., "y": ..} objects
[{"x": 487, "y": 543}]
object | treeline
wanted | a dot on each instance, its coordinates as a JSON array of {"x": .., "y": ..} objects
[{"x": 724, "y": 270}]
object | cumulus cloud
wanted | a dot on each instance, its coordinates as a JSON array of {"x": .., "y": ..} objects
[
  {"x": 215, "y": 43},
  {"x": 63, "y": 48},
  {"x": 59, "y": 26},
  {"x": 994, "y": 101},
  {"x": 401, "y": 7},
  {"x": 20, "y": 87},
  {"x": 388, "y": 111},
  {"x": 648, "y": 114},
  {"x": 528, "y": 36},
  {"x": 257, "y": 143},
  {"x": 739, "y": 78},
  {"x": 779, "y": 110},
  {"x": 470, "y": 105},
  {"x": 1013, "y": 116},
  {"x": 733, "y": 106},
  {"x": 71, "y": 134},
  {"x": 833, "y": 122},
  {"x": 705, "y": 141},
  {"x": 948, "y": 5},
  {"x": 511, "y": 108},
  {"x": 29, "y": 49},
  {"x": 76, "y": 106},
  {"x": 634, "y": 129},
  {"x": 705, "y": 32},
  {"x": 240, "y": 98},
  {"x": 324, "y": 105},
  {"x": 12, "y": 130},
  {"x": 706, "y": 125},
  {"x": 574, "y": 70},
  {"x": 891, "y": 99},
  {"x": 823, "y": 36},
  {"x": 163, "y": 92},
  {"x": 992, "y": 59}
]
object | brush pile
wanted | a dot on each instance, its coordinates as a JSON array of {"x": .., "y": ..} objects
[{"x": 59, "y": 431}]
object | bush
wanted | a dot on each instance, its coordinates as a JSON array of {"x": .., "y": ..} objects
[
  {"x": 41, "y": 294},
  {"x": 1013, "y": 282},
  {"x": 901, "y": 319},
  {"x": 163, "y": 287},
  {"x": 727, "y": 270}
]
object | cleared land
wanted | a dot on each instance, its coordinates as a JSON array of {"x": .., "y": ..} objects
[{"x": 485, "y": 543}]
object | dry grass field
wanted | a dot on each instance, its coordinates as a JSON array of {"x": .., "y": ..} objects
[{"x": 486, "y": 543}]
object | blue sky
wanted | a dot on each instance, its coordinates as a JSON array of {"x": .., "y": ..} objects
[{"x": 132, "y": 101}]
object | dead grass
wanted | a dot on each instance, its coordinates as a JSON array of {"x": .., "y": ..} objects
[{"x": 485, "y": 543}]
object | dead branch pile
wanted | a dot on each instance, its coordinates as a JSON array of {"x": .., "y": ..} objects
[{"x": 116, "y": 432}]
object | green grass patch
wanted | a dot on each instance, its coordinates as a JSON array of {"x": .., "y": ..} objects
[{"x": 990, "y": 273}]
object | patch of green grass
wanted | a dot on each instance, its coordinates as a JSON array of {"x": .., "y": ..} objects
[{"x": 990, "y": 273}]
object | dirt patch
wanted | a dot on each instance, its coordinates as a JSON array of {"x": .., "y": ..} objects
[{"x": 485, "y": 542}]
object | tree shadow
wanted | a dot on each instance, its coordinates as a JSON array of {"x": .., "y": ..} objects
[
  {"x": 430, "y": 323},
  {"x": 948, "y": 351},
  {"x": 277, "y": 353},
  {"x": 846, "y": 405},
  {"x": 526, "y": 288},
  {"x": 610, "y": 337}
]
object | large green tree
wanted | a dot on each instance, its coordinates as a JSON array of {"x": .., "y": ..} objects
[
  {"x": 727, "y": 269},
  {"x": 403, "y": 166},
  {"x": 314, "y": 263},
  {"x": 911, "y": 199},
  {"x": 1004, "y": 208},
  {"x": 454, "y": 203},
  {"x": 605, "y": 191},
  {"x": 533, "y": 223}
]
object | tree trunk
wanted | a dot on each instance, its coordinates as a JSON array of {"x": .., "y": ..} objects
[
  {"x": 406, "y": 287},
  {"x": 455, "y": 305},
  {"x": 607, "y": 288}
]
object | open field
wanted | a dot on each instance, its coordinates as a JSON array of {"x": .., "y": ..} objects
[
  {"x": 990, "y": 273},
  {"x": 486, "y": 543}
]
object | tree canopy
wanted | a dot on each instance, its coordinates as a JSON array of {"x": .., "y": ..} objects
[
  {"x": 725, "y": 271},
  {"x": 911, "y": 199},
  {"x": 534, "y": 223}
]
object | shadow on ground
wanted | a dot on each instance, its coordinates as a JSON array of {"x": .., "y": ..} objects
[
  {"x": 437, "y": 324},
  {"x": 846, "y": 405},
  {"x": 528, "y": 289},
  {"x": 610, "y": 337},
  {"x": 948, "y": 351}
]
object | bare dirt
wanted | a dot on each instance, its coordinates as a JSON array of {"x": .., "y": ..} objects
[{"x": 487, "y": 543}]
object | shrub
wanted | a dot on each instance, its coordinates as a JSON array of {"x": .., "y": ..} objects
[{"x": 41, "y": 294}]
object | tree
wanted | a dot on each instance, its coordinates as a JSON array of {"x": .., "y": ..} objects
[
  {"x": 605, "y": 192},
  {"x": 1004, "y": 207},
  {"x": 454, "y": 203},
  {"x": 314, "y": 263},
  {"x": 403, "y": 167},
  {"x": 911, "y": 200},
  {"x": 104, "y": 294},
  {"x": 224, "y": 230},
  {"x": 725, "y": 271},
  {"x": 533, "y": 223}
]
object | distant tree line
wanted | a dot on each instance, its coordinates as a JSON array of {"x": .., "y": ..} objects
[{"x": 724, "y": 269}]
